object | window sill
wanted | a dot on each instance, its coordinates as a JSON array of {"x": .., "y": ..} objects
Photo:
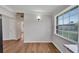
[
  {"x": 72, "y": 47},
  {"x": 66, "y": 38}
]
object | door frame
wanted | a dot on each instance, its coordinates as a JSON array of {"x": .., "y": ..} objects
[{"x": 1, "y": 38}]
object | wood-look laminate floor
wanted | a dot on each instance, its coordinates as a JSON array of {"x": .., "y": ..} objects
[
  {"x": 17, "y": 46},
  {"x": 13, "y": 46},
  {"x": 40, "y": 48}
]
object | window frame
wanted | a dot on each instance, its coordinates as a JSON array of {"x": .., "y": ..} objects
[{"x": 56, "y": 20}]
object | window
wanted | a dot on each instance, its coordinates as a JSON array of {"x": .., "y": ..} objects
[{"x": 67, "y": 24}]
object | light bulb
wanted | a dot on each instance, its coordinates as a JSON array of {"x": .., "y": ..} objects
[{"x": 38, "y": 17}]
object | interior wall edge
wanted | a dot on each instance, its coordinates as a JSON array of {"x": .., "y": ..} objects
[{"x": 57, "y": 47}]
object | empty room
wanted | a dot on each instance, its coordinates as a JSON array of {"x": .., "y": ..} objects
[{"x": 39, "y": 28}]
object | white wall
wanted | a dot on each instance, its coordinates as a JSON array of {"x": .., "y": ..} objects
[
  {"x": 35, "y": 31},
  {"x": 12, "y": 29},
  {"x": 8, "y": 26},
  {"x": 8, "y": 23},
  {"x": 5, "y": 27}
]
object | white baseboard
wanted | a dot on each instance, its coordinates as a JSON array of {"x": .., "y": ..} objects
[
  {"x": 37, "y": 41},
  {"x": 10, "y": 39}
]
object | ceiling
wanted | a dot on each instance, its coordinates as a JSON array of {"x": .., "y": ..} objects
[{"x": 37, "y": 9}]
